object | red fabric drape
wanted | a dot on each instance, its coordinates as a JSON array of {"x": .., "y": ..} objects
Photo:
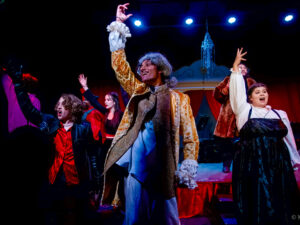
[
  {"x": 196, "y": 97},
  {"x": 286, "y": 96},
  {"x": 197, "y": 202},
  {"x": 214, "y": 105},
  {"x": 193, "y": 202},
  {"x": 105, "y": 87}
]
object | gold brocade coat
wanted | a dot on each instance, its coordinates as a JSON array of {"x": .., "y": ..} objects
[{"x": 182, "y": 120}]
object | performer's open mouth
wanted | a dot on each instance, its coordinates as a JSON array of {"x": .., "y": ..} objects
[
  {"x": 262, "y": 99},
  {"x": 144, "y": 73}
]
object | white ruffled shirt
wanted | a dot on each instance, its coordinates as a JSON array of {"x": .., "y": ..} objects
[{"x": 241, "y": 107}]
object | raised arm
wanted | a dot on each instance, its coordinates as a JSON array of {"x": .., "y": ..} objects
[
  {"x": 121, "y": 15},
  {"x": 89, "y": 95},
  {"x": 237, "y": 90},
  {"x": 118, "y": 33},
  {"x": 30, "y": 112},
  {"x": 83, "y": 81}
]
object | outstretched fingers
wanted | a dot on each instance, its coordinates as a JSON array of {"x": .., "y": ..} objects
[
  {"x": 82, "y": 79},
  {"x": 123, "y": 7},
  {"x": 239, "y": 57},
  {"x": 241, "y": 54},
  {"x": 121, "y": 12}
]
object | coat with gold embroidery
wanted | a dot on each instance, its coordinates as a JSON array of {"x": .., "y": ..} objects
[{"x": 182, "y": 120}]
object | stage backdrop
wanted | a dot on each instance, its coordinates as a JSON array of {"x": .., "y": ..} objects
[{"x": 284, "y": 96}]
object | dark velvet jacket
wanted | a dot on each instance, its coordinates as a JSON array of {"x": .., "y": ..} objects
[
  {"x": 226, "y": 123},
  {"x": 84, "y": 146}
]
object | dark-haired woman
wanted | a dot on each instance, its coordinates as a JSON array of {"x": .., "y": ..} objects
[
  {"x": 112, "y": 112},
  {"x": 264, "y": 185}
]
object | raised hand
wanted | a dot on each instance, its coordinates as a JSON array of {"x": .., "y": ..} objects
[
  {"x": 120, "y": 15},
  {"x": 83, "y": 81},
  {"x": 238, "y": 58}
]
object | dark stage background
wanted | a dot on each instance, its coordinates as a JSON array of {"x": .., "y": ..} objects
[{"x": 57, "y": 40}]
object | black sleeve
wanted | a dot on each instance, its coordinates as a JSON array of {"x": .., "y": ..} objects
[
  {"x": 29, "y": 111},
  {"x": 93, "y": 157},
  {"x": 93, "y": 100},
  {"x": 46, "y": 122}
]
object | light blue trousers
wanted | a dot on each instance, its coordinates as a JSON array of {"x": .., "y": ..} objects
[{"x": 146, "y": 208}]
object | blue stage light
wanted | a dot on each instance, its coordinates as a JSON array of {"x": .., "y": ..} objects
[
  {"x": 138, "y": 23},
  {"x": 231, "y": 20},
  {"x": 288, "y": 18},
  {"x": 189, "y": 21}
]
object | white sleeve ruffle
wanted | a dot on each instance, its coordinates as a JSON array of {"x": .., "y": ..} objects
[
  {"x": 187, "y": 173},
  {"x": 117, "y": 36}
]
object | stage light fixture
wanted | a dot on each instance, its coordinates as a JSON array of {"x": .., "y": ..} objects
[
  {"x": 189, "y": 21},
  {"x": 232, "y": 20},
  {"x": 137, "y": 23},
  {"x": 288, "y": 18}
]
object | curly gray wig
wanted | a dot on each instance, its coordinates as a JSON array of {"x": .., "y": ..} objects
[{"x": 162, "y": 64}]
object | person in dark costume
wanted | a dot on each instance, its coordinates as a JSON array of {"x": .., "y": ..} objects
[
  {"x": 96, "y": 119},
  {"x": 73, "y": 171},
  {"x": 264, "y": 186}
]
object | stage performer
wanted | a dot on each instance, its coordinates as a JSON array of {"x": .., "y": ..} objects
[
  {"x": 112, "y": 118},
  {"x": 147, "y": 141},
  {"x": 96, "y": 119},
  {"x": 112, "y": 111},
  {"x": 73, "y": 171},
  {"x": 225, "y": 133},
  {"x": 264, "y": 184}
]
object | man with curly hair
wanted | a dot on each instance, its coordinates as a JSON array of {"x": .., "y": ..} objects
[{"x": 73, "y": 168}]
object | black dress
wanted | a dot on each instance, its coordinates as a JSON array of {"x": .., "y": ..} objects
[{"x": 264, "y": 186}]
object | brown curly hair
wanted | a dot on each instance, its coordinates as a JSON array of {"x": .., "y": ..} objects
[{"x": 74, "y": 104}]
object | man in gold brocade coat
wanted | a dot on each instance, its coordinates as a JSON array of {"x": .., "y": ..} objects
[{"x": 147, "y": 142}]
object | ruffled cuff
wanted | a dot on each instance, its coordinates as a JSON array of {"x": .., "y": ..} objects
[
  {"x": 187, "y": 173},
  {"x": 117, "y": 36}
]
